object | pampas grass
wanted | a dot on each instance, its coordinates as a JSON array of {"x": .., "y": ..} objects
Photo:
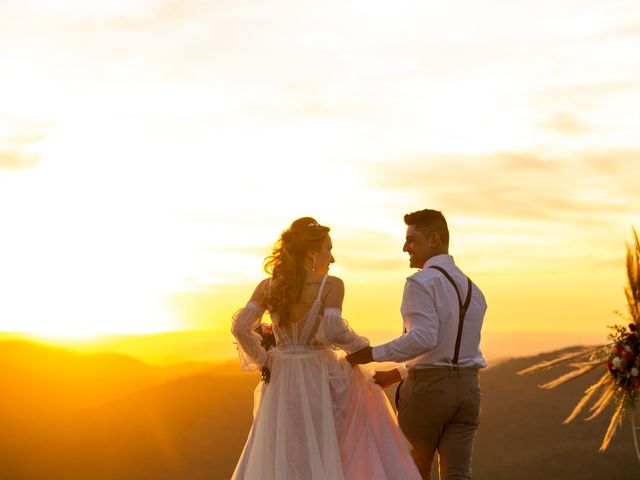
[{"x": 615, "y": 385}]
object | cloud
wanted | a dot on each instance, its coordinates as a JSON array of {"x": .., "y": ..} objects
[
  {"x": 564, "y": 122},
  {"x": 622, "y": 31},
  {"x": 249, "y": 251},
  {"x": 83, "y": 10},
  {"x": 16, "y": 160},
  {"x": 520, "y": 185},
  {"x": 18, "y": 143},
  {"x": 577, "y": 96}
]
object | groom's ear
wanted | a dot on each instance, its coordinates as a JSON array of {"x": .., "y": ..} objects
[{"x": 436, "y": 240}]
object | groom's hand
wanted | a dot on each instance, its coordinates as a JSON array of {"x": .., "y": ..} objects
[
  {"x": 361, "y": 356},
  {"x": 384, "y": 379}
]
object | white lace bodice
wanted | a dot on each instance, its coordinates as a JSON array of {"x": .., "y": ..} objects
[
  {"x": 299, "y": 333},
  {"x": 312, "y": 331}
]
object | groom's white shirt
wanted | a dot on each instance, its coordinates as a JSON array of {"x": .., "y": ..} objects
[{"x": 430, "y": 317}]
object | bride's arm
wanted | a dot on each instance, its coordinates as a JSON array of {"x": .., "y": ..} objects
[
  {"x": 333, "y": 329},
  {"x": 252, "y": 355}
]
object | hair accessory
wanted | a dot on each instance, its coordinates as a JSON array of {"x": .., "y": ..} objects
[{"x": 312, "y": 224}]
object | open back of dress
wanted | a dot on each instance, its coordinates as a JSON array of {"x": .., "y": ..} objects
[{"x": 299, "y": 336}]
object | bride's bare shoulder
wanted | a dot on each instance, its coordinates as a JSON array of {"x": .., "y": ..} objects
[
  {"x": 335, "y": 282},
  {"x": 334, "y": 292}
]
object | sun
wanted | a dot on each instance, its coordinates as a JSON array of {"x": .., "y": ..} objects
[{"x": 76, "y": 269}]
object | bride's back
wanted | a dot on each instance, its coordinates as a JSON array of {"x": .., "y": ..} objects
[
  {"x": 305, "y": 314},
  {"x": 308, "y": 297}
]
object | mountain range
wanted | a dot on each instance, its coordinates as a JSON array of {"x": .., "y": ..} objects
[{"x": 109, "y": 416}]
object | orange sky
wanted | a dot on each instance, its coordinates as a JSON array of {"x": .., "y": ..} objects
[{"x": 151, "y": 152}]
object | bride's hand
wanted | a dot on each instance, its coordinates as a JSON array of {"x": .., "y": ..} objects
[{"x": 384, "y": 379}]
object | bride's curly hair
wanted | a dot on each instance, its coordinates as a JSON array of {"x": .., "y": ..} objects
[{"x": 286, "y": 263}]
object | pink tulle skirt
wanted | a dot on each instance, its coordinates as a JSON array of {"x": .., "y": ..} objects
[{"x": 320, "y": 418}]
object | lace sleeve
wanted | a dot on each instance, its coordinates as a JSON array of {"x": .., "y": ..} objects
[
  {"x": 252, "y": 355},
  {"x": 334, "y": 330}
]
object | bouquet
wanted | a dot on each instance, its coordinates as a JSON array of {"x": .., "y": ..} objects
[
  {"x": 623, "y": 363},
  {"x": 268, "y": 340},
  {"x": 620, "y": 360}
]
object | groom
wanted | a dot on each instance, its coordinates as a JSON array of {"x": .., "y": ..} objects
[{"x": 438, "y": 399}]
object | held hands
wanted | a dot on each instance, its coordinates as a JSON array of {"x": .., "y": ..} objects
[
  {"x": 361, "y": 356},
  {"x": 384, "y": 379}
]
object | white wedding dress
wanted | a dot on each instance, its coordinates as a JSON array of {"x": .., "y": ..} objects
[{"x": 318, "y": 418}]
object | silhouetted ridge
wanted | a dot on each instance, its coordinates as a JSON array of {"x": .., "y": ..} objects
[{"x": 120, "y": 421}]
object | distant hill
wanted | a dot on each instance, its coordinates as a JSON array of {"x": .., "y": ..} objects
[
  {"x": 100, "y": 375},
  {"x": 522, "y": 436},
  {"x": 164, "y": 348},
  {"x": 40, "y": 383},
  {"x": 112, "y": 417}
]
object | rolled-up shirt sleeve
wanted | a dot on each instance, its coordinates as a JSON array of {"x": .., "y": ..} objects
[{"x": 420, "y": 319}]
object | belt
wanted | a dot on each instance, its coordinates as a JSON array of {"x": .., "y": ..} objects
[{"x": 423, "y": 372}]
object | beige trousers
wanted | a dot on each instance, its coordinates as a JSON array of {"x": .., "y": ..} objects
[{"x": 439, "y": 411}]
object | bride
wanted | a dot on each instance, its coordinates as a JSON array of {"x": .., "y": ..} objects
[{"x": 315, "y": 416}]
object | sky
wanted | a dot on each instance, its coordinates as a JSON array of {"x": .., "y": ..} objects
[{"x": 151, "y": 152}]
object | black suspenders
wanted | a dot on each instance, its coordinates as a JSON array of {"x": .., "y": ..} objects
[{"x": 462, "y": 308}]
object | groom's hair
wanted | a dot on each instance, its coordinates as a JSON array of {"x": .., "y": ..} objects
[{"x": 429, "y": 221}]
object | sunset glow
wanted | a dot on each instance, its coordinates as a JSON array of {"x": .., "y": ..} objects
[{"x": 152, "y": 151}]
